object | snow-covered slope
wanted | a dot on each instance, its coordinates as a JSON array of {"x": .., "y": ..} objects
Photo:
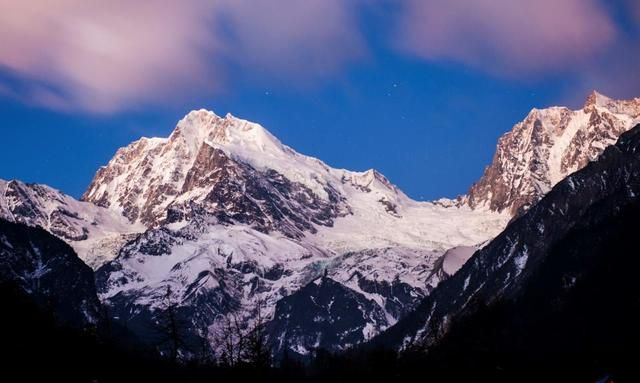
[
  {"x": 238, "y": 217},
  {"x": 546, "y": 147},
  {"x": 95, "y": 233}
]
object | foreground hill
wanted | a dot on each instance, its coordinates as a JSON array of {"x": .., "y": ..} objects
[{"x": 555, "y": 291}]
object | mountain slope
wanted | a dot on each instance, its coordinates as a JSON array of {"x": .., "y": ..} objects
[
  {"x": 96, "y": 234},
  {"x": 520, "y": 258},
  {"x": 575, "y": 320},
  {"x": 48, "y": 271},
  {"x": 324, "y": 314},
  {"x": 237, "y": 171}
]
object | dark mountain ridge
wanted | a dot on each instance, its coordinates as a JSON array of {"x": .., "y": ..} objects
[
  {"x": 557, "y": 286},
  {"x": 49, "y": 271}
]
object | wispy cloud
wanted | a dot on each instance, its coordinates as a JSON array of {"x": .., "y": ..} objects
[
  {"x": 293, "y": 37},
  {"x": 104, "y": 56},
  {"x": 507, "y": 37}
]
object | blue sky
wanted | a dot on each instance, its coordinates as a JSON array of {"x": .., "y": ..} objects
[{"x": 368, "y": 87}]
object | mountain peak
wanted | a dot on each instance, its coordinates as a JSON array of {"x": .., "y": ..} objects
[
  {"x": 548, "y": 145},
  {"x": 233, "y": 133},
  {"x": 201, "y": 112},
  {"x": 596, "y": 98}
]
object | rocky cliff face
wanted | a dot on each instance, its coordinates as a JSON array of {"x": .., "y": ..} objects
[
  {"x": 225, "y": 167},
  {"x": 546, "y": 147}
]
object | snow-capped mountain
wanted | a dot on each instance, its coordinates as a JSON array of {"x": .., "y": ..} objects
[
  {"x": 95, "y": 233},
  {"x": 546, "y": 147},
  {"x": 221, "y": 216},
  {"x": 594, "y": 200},
  {"x": 238, "y": 172},
  {"x": 237, "y": 218}
]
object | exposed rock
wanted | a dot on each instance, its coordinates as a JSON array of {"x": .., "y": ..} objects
[
  {"x": 546, "y": 147},
  {"x": 323, "y": 315}
]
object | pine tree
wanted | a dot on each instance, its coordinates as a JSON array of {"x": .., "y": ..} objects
[
  {"x": 256, "y": 353},
  {"x": 171, "y": 328}
]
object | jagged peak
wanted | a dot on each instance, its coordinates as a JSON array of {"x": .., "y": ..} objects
[
  {"x": 376, "y": 175},
  {"x": 597, "y": 98},
  {"x": 370, "y": 178},
  {"x": 200, "y": 112},
  {"x": 20, "y": 184},
  {"x": 200, "y": 126},
  {"x": 594, "y": 98},
  {"x": 373, "y": 173}
]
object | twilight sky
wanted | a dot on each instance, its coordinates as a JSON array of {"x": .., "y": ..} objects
[{"x": 419, "y": 89}]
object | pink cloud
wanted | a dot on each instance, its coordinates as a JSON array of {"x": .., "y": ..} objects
[
  {"x": 506, "y": 37},
  {"x": 290, "y": 37},
  {"x": 636, "y": 9},
  {"x": 106, "y": 56},
  {"x": 102, "y": 56}
]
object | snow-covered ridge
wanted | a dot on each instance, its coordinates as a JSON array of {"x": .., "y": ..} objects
[
  {"x": 153, "y": 176},
  {"x": 242, "y": 140},
  {"x": 150, "y": 174},
  {"x": 95, "y": 233}
]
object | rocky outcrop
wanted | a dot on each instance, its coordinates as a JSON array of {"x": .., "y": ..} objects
[
  {"x": 326, "y": 315},
  {"x": 547, "y": 146},
  {"x": 39, "y": 205}
]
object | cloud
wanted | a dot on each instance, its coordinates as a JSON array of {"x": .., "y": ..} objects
[
  {"x": 506, "y": 37},
  {"x": 102, "y": 56},
  {"x": 106, "y": 56},
  {"x": 635, "y": 8},
  {"x": 615, "y": 71},
  {"x": 290, "y": 37}
]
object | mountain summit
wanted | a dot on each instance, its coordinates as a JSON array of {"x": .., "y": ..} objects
[
  {"x": 546, "y": 147},
  {"x": 237, "y": 172},
  {"x": 214, "y": 162}
]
